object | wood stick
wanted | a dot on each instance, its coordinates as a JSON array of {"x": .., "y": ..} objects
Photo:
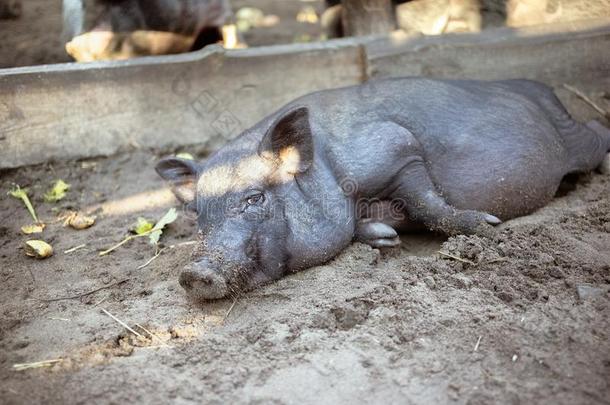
[
  {"x": 151, "y": 259},
  {"x": 459, "y": 259},
  {"x": 229, "y": 311},
  {"x": 75, "y": 248},
  {"x": 123, "y": 324},
  {"x": 36, "y": 364},
  {"x": 153, "y": 335},
  {"x": 587, "y": 100},
  {"x": 476, "y": 347}
]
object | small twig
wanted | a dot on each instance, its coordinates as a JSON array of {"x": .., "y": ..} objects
[
  {"x": 476, "y": 347},
  {"x": 123, "y": 324},
  {"x": 121, "y": 243},
  {"x": 59, "y": 319},
  {"x": 72, "y": 297},
  {"x": 151, "y": 259},
  {"x": 587, "y": 100},
  {"x": 189, "y": 242},
  {"x": 459, "y": 259},
  {"x": 37, "y": 364},
  {"x": 153, "y": 335},
  {"x": 497, "y": 260},
  {"x": 75, "y": 248},
  {"x": 229, "y": 311},
  {"x": 101, "y": 301}
]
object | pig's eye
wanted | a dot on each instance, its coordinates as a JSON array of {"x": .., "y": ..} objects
[{"x": 255, "y": 199}]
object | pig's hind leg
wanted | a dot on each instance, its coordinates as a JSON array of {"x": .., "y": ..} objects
[
  {"x": 414, "y": 189},
  {"x": 411, "y": 187}
]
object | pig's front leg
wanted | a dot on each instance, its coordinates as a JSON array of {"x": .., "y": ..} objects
[
  {"x": 423, "y": 203},
  {"x": 376, "y": 234}
]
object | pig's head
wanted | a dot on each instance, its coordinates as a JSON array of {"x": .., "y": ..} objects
[{"x": 259, "y": 208}]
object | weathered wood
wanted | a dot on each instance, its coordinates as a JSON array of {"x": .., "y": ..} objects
[
  {"x": 553, "y": 54},
  {"x": 81, "y": 110},
  {"x": 367, "y": 17},
  {"x": 75, "y": 111}
]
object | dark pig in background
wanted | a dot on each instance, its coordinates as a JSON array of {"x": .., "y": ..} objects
[
  {"x": 10, "y": 9},
  {"x": 363, "y": 162},
  {"x": 121, "y": 29}
]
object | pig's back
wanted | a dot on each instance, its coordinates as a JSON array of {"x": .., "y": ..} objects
[
  {"x": 490, "y": 147},
  {"x": 483, "y": 143}
]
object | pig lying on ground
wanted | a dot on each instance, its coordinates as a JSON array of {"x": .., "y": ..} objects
[{"x": 362, "y": 162}]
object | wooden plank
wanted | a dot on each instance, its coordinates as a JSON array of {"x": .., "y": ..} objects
[
  {"x": 554, "y": 54},
  {"x": 74, "y": 111}
]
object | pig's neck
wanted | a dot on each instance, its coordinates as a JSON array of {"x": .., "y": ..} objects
[{"x": 320, "y": 217}]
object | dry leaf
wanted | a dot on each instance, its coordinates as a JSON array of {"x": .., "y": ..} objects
[
  {"x": 38, "y": 249},
  {"x": 80, "y": 221},
  {"x": 33, "y": 228}
]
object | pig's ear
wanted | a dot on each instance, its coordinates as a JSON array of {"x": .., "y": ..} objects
[
  {"x": 182, "y": 176},
  {"x": 289, "y": 141}
]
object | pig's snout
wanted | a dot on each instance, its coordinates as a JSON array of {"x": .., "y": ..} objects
[{"x": 200, "y": 282}]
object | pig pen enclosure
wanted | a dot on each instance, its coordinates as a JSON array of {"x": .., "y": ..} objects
[{"x": 521, "y": 317}]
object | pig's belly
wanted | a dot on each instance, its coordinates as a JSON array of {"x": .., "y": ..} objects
[{"x": 505, "y": 185}]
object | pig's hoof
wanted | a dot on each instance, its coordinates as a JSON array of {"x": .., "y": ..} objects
[
  {"x": 377, "y": 235},
  {"x": 469, "y": 222}
]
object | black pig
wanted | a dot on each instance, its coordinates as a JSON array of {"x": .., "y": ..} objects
[{"x": 363, "y": 161}]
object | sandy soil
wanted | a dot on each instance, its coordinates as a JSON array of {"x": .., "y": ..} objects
[{"x": 523, "y": 317}]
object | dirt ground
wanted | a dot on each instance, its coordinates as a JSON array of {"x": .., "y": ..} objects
[
  {"x": 523, "y": 317},
  {"x": 520, "y": 318}
]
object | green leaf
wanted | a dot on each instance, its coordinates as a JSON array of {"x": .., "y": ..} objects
[
  {"x": 142, "y": 226},
  {"x": 169, "y": 217},
  {"x": 18, "y": 192},
  {"x": 22, "y": 194},
  {"x": 57, "y": 192}
]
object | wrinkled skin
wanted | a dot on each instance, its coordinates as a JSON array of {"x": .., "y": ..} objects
[{"x": 363, "y": 162}]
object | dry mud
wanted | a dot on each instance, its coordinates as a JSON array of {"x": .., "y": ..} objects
[{"x": 522, "y": 317}]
